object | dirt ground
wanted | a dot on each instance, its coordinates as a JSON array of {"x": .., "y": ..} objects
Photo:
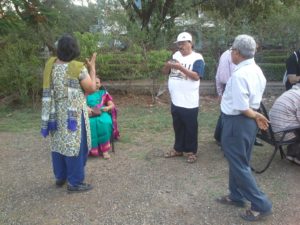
[{"x": 137, "y": 187}]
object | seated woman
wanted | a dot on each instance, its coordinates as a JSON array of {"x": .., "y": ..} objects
[{"x": 103, "y": 123}]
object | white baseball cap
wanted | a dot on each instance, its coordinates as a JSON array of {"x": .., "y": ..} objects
[{"x": 184, "y": 36}]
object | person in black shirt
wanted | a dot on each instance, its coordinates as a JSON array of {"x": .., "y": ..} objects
[{"x": 293, "y": 69}]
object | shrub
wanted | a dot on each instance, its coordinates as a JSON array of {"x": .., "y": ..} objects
[
  {"x": 272, "y": 59},
  {"x": 88, "y": 43},
  {"x": 272, "y": 52},
  {"x": 20, "y": 71},
  {"x": 272, "y": 56},
  {"x": 272, "y": 72},
  {"x": 131, "y": 65},
  {"x": 210, "y": 68},
  {"x": 120, "y": 66},
  {"x": 155, "y": 60}
]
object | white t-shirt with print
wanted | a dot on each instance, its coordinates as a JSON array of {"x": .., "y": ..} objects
[{"x": 184, "y": 91}]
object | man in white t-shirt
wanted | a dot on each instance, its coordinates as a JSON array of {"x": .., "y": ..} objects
[{"x": 184, "y": 70}]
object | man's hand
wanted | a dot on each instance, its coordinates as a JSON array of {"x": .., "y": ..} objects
[
  {"x": 174, "y": 64},
  {"x": 262, "y": 121},
  {"x": 168, "y": 66}
]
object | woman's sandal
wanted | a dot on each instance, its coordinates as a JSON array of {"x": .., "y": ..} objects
[
  {"x": 106, "y": 155},
  {"x": 191, "y": 158},
  {"x": 173, "y": 153}
]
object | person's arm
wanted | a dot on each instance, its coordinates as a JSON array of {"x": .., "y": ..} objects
[
  {"x": 219, "y": 85},
  {"x": 298, "y": 115},
  {"x": 261, "y": 120},
  {"x": 291, "y": 66},
  {"x": 110, "y": 106},
  {"x": 89, "y": 82},
  {"x": 223, "y": 72},
  {"x": 293, "y": 78}
]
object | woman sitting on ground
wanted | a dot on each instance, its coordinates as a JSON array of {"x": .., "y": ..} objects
[{"x": 103, "y": 121}]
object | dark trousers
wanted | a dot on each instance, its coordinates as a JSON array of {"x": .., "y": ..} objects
[
  {"x": 238, "y": 136},
  {"x": 185, "y": 126},
  {"x": 294, "y": 149},
  {"x": 218, "y": 130},
  {"x": 71, "y": 168}
]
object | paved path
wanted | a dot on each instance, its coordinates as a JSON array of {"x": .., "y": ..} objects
[{"x": 148, "y": 87}]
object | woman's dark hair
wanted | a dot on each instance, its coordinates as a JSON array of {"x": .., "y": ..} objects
[{"x": 67, "y": 48}]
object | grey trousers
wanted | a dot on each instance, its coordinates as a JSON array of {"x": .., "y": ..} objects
[{"x": 238, "y": 136}]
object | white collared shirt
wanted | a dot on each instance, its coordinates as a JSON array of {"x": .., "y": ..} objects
[
  {"x": 244, "y": 88},
  {"x": 224, "y": 71}
]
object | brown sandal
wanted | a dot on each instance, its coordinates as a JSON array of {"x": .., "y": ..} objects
[
  {"x": 226, "y": 200},
  {"x": 191, "y": 158},
  {"x": 173, "y": 153}
]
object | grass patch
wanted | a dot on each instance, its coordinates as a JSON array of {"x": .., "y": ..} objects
[
  {"x": 141, "y": 119},
  {"x": 141, "y": 155},
  {"x": 19, "y": 120},
  {"x": 135, "y": 121},
  {"x": 140, "y": 122}
]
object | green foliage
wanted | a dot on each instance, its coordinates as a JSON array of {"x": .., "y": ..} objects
[
  {"x": 20, "y": 70},
  {"x": 273, "y": 53},
  {"x": 273, "y": 72},
  {"x": 112, "y": 64},
  {"x": 272, "y": 59},
  {"x": 281, "y": 28},
  {"x": 11, "y": 24},
  {"x": 155, "y": 23},
  {"x": 272, "y": 63},
  {"x": 26, "y": 28},
  {"x": 251, "y": 10},
  {"x": 88, "y": 43},
  {"x": 209, "y": 69},
  {"x": 131, "y": 64},
  {"x": 155, "y": 60},
  {"x": 119, "y": 66}
]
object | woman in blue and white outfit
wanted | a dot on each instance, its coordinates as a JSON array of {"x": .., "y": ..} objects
[{"x": 65, "y": 115}]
